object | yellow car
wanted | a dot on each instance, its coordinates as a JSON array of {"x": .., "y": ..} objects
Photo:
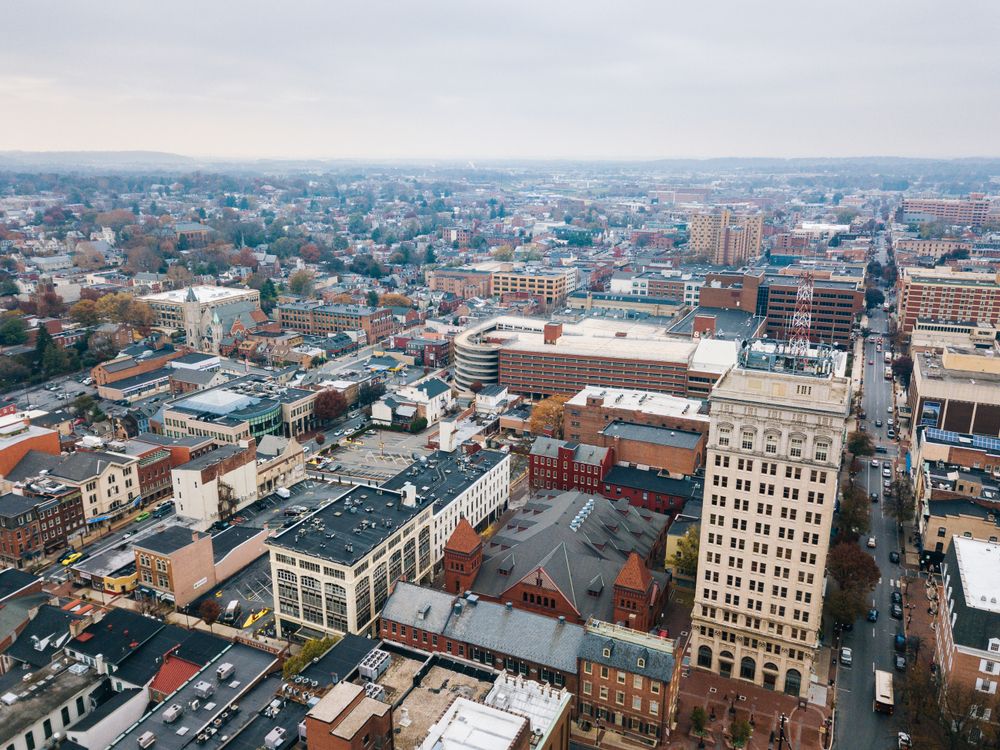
[{"x": 72, "y": 558}]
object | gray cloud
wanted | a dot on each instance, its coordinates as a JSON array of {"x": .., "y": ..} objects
[{"x": 541, "y": 79}]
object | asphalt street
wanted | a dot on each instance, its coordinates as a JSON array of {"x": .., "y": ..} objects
[{"x": 872, "y": 643}]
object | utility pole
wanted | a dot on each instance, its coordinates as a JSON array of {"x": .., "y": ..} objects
[{"x": 781, "y": 732}]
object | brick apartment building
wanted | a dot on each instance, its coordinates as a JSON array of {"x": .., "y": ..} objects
[
  {"x": 564, "y": 465},
  {"x": 316, "y": 318},
  {"x": 128, "y": 367},
  {"x": 620, "y": 676},
  {"x": 967, "y": 643},
  {"x": 347, "y": 719},
  {"x": 728, "y": 238},
  {"x": 38, "y": 522},
  {"x": 943, "y": 295},
  {"x": 592, "y": 409},
  {"x": 464, "y": 283},
  {"x": 972, "y": 211}
]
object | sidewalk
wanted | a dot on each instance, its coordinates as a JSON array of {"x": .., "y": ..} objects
[{"x": 805, "y": 727}]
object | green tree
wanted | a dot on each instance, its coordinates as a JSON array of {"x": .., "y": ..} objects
[
  {"x": 686, "y": 555},
  {"x": 55, "y": 360},
  {"x": 860, "y": 444},
  {"x": 429, "y": 256},
  {"x": 873, "y": 297},
  {"x": 301, "y": 283},
  {"x": 900, "y": 504},
  {"x": 740, "y": 730},
  {"x": 855, "y": 510},
  {"x": 418, "y": 425},
  {"x": 855, "y": 573},
  {"x": 268, "y": 296},
  {"x": 209, "y": 611},
  {"x": 699, "y": 720},
  {"x": 372, "y": 298},
  {"x": 43, "y": 341},
  {"x": 356, "y": 224},
  {"x": 902, "y": 368},
  {"x": 13, "y": 330}
]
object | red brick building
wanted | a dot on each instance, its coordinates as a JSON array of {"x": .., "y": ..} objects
[
  {"x": 319, "y": 319},
  {"x": 590, "y": 411},
  {"x": 561, "y": 465},
  {"x": 967, "y": 636},
  {"x": 574, "y": 557}
]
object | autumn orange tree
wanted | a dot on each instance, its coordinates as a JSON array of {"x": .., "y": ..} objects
[
  {"x": 547, "y": 416},
  {"x": 395, "y": 300}
]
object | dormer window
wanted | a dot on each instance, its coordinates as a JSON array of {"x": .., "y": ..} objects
[
  {"x": 640, "y": 663},
  {"x": 607, "y": 652}
]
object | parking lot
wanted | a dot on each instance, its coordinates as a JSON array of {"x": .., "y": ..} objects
[
  {"x": 376, "y": 455},
  {"x": 251, "y": 587}
]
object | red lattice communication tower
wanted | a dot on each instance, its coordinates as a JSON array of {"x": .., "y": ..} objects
[{"x": 798, "y": 339}]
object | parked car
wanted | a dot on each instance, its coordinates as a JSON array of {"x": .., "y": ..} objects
[
  {"x": 875, "y": 463},
  {"x": 846, "y": 656},
  {"x": 874, "y": 497},
  {"x": 896, "y": 612},
  {"x": 900, "y": 663},
  {"x": 871, "y": 542},
  {"x": 878, "y": 422},
  {"x": 142, "y": 516},
  {"x": 894, "y": 557},
  {"x": 896, "y": 597},
  {"x": 899, "y": 642}
]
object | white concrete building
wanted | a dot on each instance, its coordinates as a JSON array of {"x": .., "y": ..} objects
[
  {"x": 774, "y": 452},
  {"x": 216, "y": 485}
]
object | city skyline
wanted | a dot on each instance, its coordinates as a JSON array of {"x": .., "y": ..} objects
[{"x": 447, "y": 81}]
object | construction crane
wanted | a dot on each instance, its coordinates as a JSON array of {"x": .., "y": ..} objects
[{"x": 798, "y": 339}]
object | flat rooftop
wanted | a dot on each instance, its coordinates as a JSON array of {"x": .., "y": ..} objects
[
  {"x": 467, "y": 725},
  {"x": 442, "y": 476},
  {"x": 348, "y": 525},
  {"x": 978, "y": 562},
  {"x": 647, "y": 402},
  {"x": 42, "y": 695},
  {"x": 651, "y": 434},
  {"x": 426, "y": 702},
  {"x": 729, "y": 324},
  {"x": 202, "y": 294},
  {"x": 250, "y": 664}
]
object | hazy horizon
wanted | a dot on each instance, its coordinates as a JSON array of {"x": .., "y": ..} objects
[{"x": 455, "y": 81}]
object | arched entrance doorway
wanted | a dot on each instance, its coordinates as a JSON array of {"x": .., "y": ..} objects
[
  {"x": 726, "y": 664},
  {"x": 793, "y": 682},
  {"x": 770, "y": 676}
]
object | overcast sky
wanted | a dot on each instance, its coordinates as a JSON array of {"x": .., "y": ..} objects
[{"x": 471, "y": 79}]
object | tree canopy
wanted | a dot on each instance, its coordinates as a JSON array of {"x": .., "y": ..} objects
[{"x": 547, "y": 415}]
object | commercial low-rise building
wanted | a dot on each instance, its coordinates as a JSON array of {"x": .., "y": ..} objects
[
  {"x": 217, "y": 484},
  {"x": 333, "y": 570}
]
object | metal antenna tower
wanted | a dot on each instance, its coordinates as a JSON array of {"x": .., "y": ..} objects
[{"x": 798, "y": 340}]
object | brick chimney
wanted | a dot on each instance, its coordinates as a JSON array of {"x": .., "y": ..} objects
[{"x": 704, "y": 326}]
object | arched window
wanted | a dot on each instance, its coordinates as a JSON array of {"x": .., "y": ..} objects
[
  {"x": 748, "y": 668},
  {"x": 705, "y": 657},
  {"x": 793, "y": 682}
]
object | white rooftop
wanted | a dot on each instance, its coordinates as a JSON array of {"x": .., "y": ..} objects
[
  {"x": 217, "y": 402},
  {"x": 978, "y": 563},
  {"x": 201, "y": 293},
  {"x": 540, "y": 704},
  {"x": 644, "y": 401},
  {"x": 468, "y": 725}
]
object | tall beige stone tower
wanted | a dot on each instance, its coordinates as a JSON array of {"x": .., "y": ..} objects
[{"x": 775, "y": 443}]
